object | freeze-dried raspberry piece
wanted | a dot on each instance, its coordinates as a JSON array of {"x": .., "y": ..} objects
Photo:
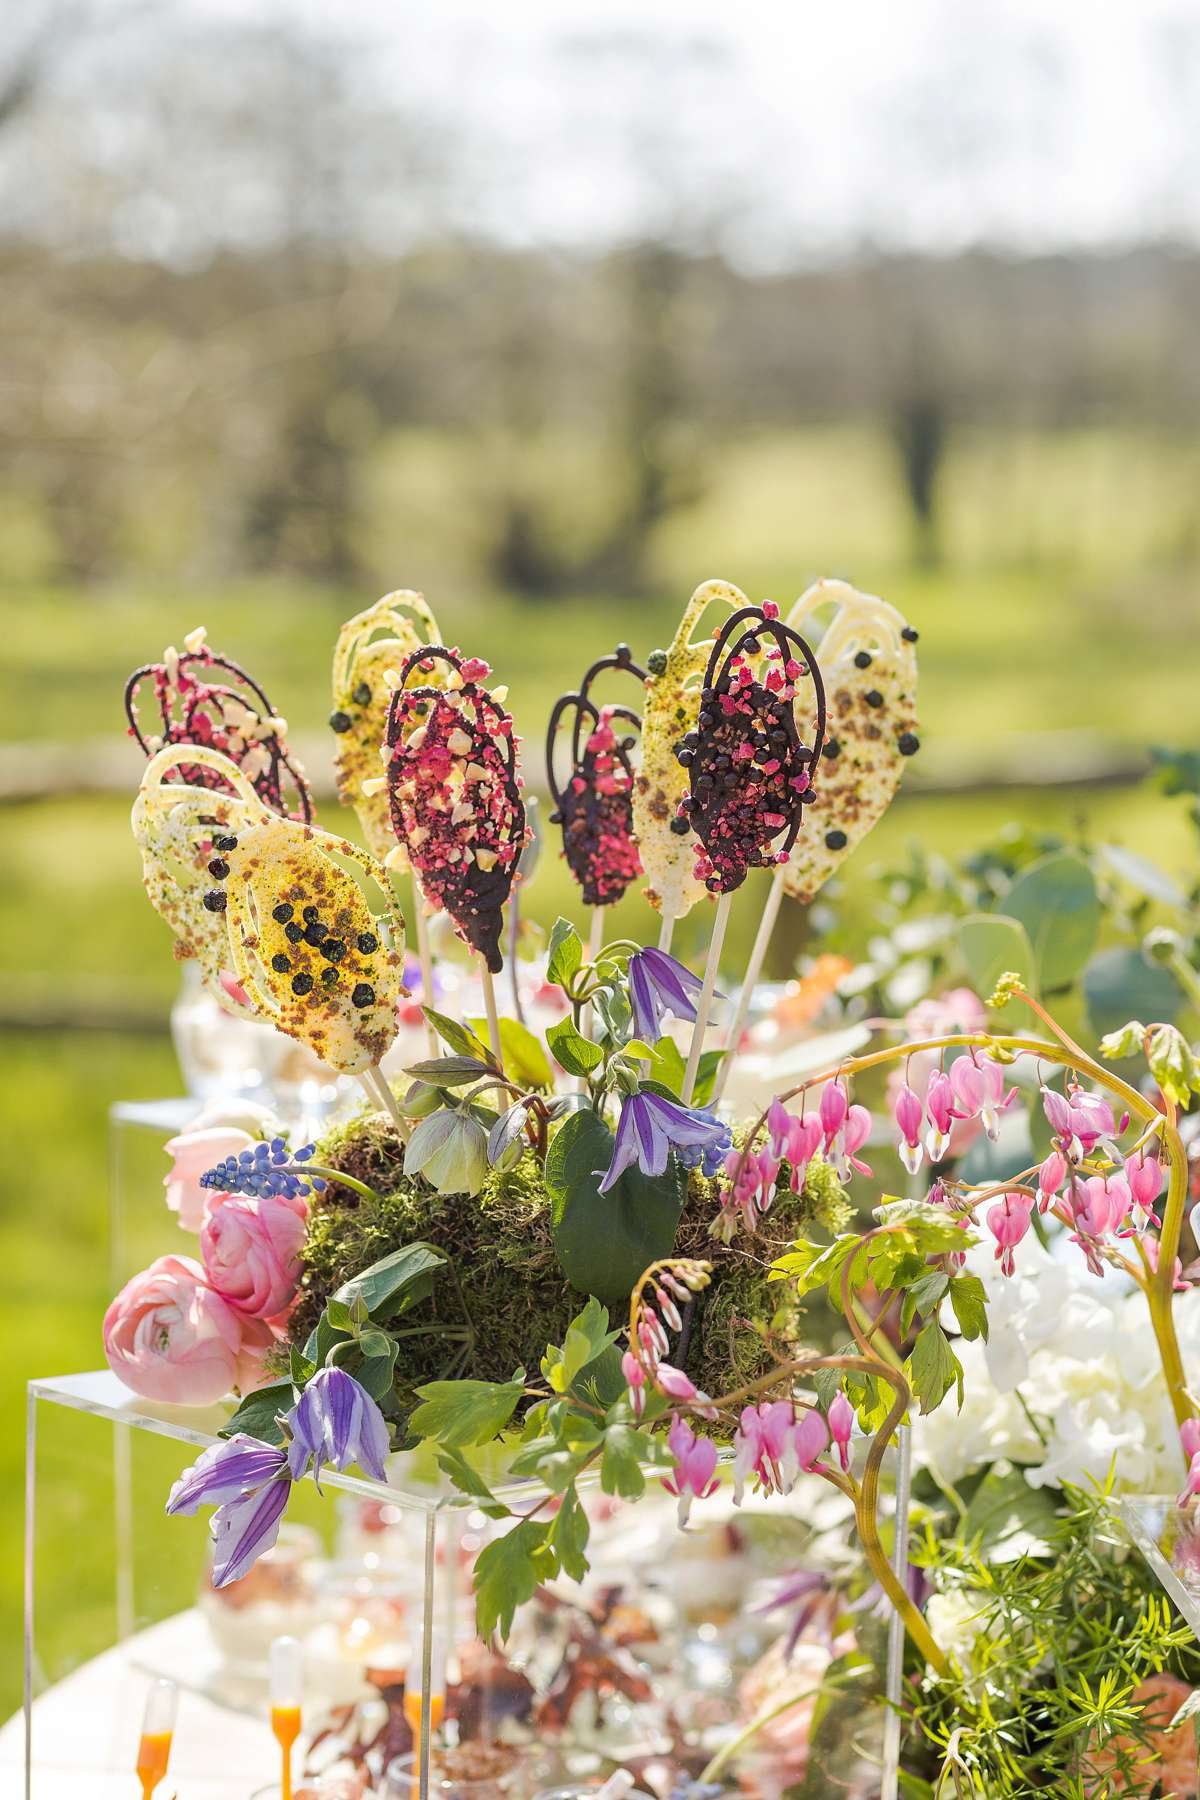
[
  {"x": 232, "y": 717},
  {"x": 595, "y": 808},
  {"x": 455, "y": 793},
  {"x": 748, "y": 770}
]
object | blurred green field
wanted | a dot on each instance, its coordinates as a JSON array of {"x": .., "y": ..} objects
[{"x": 1002, "y": 650}]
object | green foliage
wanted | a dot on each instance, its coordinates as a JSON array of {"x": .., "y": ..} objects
[
  {"x": 576, "y": 1054},
  {"x": 669, "y": 1067},
  {"x": 1055, "y": 900},
  {"x": 395, "y": 1283},
  {"x": 461, "y": 1039},
  {"x": 1173, "y": 1063},
  {"x": 456, "y": 1413},
  {"x": 933, "y": 1369},
  {"x": 258, "y": 1413},
  {"x": 450, "y": 1071},
  {"x": 587, "y": 1338},
  {"x": 994, "y": 945},
  {"x": 1065, "y": 1635},
  {"x": 564, "y": 952},
  {"x": 524, "y": 1059},
  {"x": 605, "y": 1241},
  {"x": 1119, "y": 984}
]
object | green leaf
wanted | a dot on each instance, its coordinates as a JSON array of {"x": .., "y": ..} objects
[
  {"x": 577, "y": 1054},
  {"x": 602, "y": 1380},
  {"x": 992, "y": 946},
  {"x": 564, "y": 953},
  {"x": 670, "y": 1066},
  {"x": 338, "y": 1314},
  {"x": 377, "y": 1373},
  {"x": 968, "y": 1297},
  {"x": 1120, "y": 985},
  {"x": 396, "y": 1282},
  {"x": 605, "y": 1242},
  {"x": 508, "y": 1572},
  {"x": 256, "y": 1415},
  {"x": 569, "y": 1535},
  {"x": 1144, "y": 875},
  {"x": 620, "y": 1470},
  {"x": 323, "y": 1340},
  {"x": 587, "y": 1335},
  {"x": 828, "y": 1383},
  {"x": 1055, "y": 900},
  {"x": 524, "y": 1058},
  {"x": 933, "y": 1368},
  {"x": 461, "y": 1039},
  {"x": 1173, "y": 1064},
  {"x": 302, "y": 1369},
  {"x": 1003, "y": 1504},
  {"x": 375, "y": 1343},
  {"x": 468, "y": 1480},
  {"x": 923, "y": 1297},
  {"x": 465, "y": 1412},
  {"x": 451, "y": 1071}
]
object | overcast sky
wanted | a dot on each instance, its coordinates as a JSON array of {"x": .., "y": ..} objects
[{"x": 808, "y": 124}]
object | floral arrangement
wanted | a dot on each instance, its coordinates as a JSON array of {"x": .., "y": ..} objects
[{"x": 669, "y": 1259}]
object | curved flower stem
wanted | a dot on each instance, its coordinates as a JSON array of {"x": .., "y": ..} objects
[{"x": 337, "y": 1175}]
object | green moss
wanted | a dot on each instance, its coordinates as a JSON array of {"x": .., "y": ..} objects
[{"x": 514, "y": 1289}]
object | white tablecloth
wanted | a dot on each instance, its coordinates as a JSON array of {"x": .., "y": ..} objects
[{"x": 88, "y": 1725}]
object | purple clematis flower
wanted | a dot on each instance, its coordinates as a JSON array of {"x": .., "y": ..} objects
[
  {"x": 651, "y": 1126},
  {"x": 248, "y": 1483},
  {"x": 659, "y": 985},
  {"x": 337, "y": 1422}
]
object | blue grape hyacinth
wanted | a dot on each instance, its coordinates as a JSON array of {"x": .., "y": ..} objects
[{"x": 267, "y": 1169}]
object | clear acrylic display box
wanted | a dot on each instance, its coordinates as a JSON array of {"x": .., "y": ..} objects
[{"x": 641, "y": 1666}]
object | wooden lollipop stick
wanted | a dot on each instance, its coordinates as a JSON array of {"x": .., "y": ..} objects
[
  {"x": 595, "y": 940},
  {"x": 426, "y": 958},
  {"x": 493, "y": 1015},
  {"x": 375, "y": 1085},
  {"x": 704, "y": 1004},
  {"x": 733, "y": 1037},
  {"x": 665, "y": 932}
]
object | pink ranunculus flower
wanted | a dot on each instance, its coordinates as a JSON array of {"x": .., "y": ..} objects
[
  {"x": 251, "y": 1250},
  {"x": 194, "y": 1153},
  {"x": 169, "y": 1336}
]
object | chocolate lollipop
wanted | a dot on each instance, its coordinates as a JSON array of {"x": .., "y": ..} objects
[
  {"x": 455, "y": 793},
  {"x": 868, "y": 660},
  {"x": 175, "y": 827},
  {"x": 750, "y": 774},
  {"x": 595, "y": 809},
  {"x": 361, "y": 697},
  {"x": 231, "y": 716},
  {"x": 665, "y": 844}
]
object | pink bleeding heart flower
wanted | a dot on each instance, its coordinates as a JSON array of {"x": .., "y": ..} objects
[
  {"x": 635, "y": 1375},
  {"x": 939, "y": 1103},
  {"x": 970, "y": 1086},
  {"x": 841, "y": 1424},
  {"x": 764, "y": 1446},
  {"x": 1091, "y": 1118},
  {"x": 696, "y": 1463},
  {"x": 803, "y": 1137},
  {"x": 910, "y": 1116},
  {"x": 995, "y": 1101},
  {"x": 1189, "y": 1438},
  {"x": 833, "y": 1110},
  {"x": 1051, "y": 1176},
  {"x": 1150, "y": 1248},
  {"x": 1008, "y": 1222},
  {"x": 855, "y": 1132},
  {"x": 1191, "y": 1486},
  {"x": 811, "y": 1438},
  {"x": 779, "y": 1129},
  {"x": 673, "y": 1382},
  {"x": 1145, "y": 1177}
]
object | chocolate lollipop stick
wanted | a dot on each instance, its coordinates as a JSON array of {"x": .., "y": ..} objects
[
  {"x": 595, "y": 807},
  {"x": 233, "y": 717},
  {"x": 455, "y": 793}
]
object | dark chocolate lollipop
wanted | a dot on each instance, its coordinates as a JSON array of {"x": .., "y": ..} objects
[
  {"x": 454, "y": 793},
  {"x": 233, "y": 717},
  {"x": 749, "y": 771},
  {"x": 595, "y": 809}
]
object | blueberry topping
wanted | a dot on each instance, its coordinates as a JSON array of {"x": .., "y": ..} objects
[
  {"x": 315, "y": 932},
  {"x": 680, "y": 827},
  {"x": 215, "y": 901},
  {"x": 293, "y": 932},
  {"x": 280, "y": 963},
  {"x": 831, "y": 749},
  {"x": 333, "y": 949},
  {"x": 863, "y": 660},
  {"x": 329, "y": 976},
  {"x": 367, "y": 943},
  {"x": 218, "y": 868},
  {"x": 309, "y": 914},
  {"x": 224, "y": 843},
  {"x": 302, "y": 983},
  {"x": 340, "y": 721},
  {"x": 835, "y": 840},
  {"x": 283, "y": 911},
  {"x": 363, "y": 995},
  {"x": 908, "y": 743},
  {"x": 873, "y": 697},
  {"x": 361, "y": 695},
  {"x": 909, "y": 635}
]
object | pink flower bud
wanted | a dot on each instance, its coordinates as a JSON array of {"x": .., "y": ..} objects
[
  {"x": 811, "y": 1438},
  {"x": 668, "y": 1309},
  {"x": 833, "y": 1109},
  {"x": 779, "y": 1125},
  {"x": 673, "y": 1382},
  {"x": 841, "y": 1424},
  {"x": 632, "y": 1370},
  {"x": 939, "y": 1103},
  {"x": 1051, "y": 1176},
  {"x": 910, "y": 1116}
]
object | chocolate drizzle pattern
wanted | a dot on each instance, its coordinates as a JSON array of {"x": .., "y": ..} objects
[
  {"x": 595, "y": 808},
  {"x": 750, "y": 774},
  {"x": 233, "y": 717},
  {"x": 455, "y": 794}
]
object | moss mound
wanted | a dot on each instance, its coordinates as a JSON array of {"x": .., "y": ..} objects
[{"x": 513, "y": 1287}]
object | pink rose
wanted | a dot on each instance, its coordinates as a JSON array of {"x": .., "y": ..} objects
[
  {"x": 251, "y": 1250},
  {"x": 194, "y": 1153},
  {"x": 169, "y": 1336}
]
